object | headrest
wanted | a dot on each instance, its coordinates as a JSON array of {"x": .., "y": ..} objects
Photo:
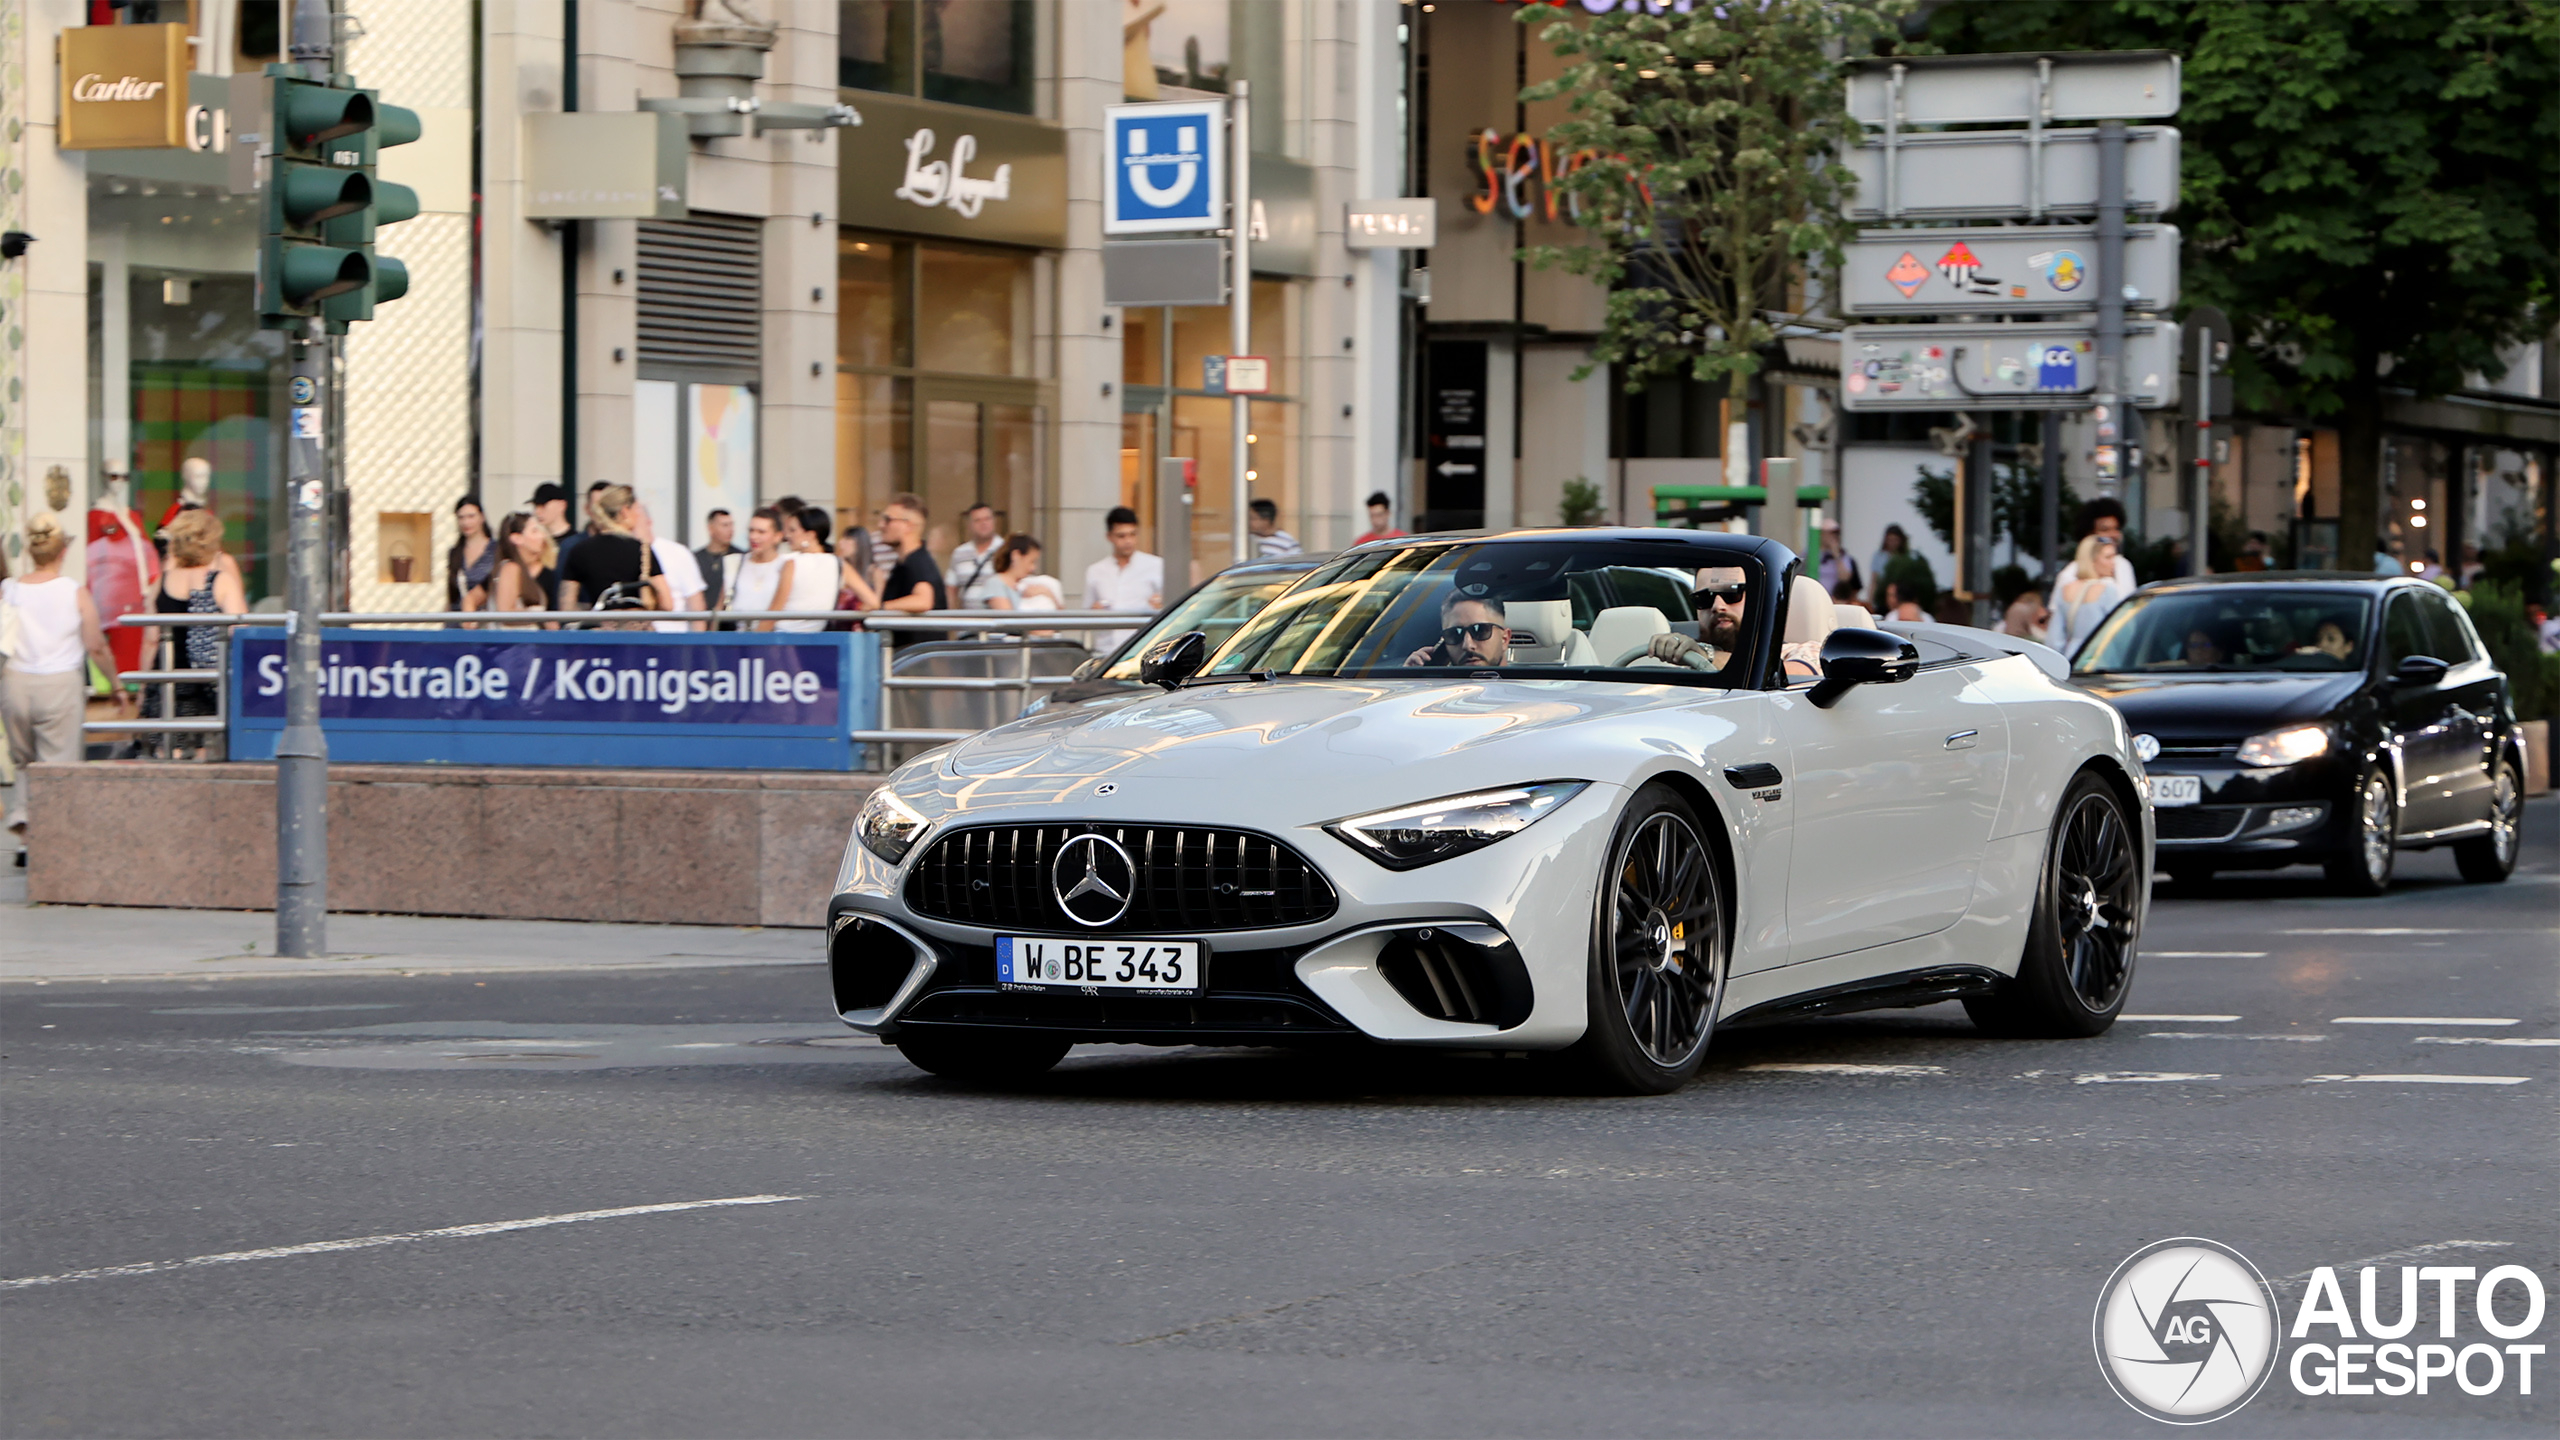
[
  {"x": 1809, "y": 617},
  {"x": 1546, "y": 622},
  {"x": 1847, "y": 616},
  {"x": 1622, "y": 628}
]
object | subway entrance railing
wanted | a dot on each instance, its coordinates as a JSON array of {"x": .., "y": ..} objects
[{"x": 1011, "y": 646}]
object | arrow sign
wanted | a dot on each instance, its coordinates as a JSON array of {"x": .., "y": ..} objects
[
  {"x": 2050, "y": 366},
  {"x": 1984, "y": 174},
  {"x": 1452, "y": 467},
  {"x": 2048, "y": 269}
]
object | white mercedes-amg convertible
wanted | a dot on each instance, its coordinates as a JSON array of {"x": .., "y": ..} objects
[{"x": 1602, "y": 791}]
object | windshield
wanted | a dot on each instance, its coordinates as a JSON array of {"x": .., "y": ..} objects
[
  {"x": 2233, "y": 628},
  {"x": 1533, "y": 609},
  {"x": 1217, "y": 609}
]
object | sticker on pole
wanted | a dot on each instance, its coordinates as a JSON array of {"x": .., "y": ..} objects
[
  {"x": 306, "y": 422},
  {"x": 303, "y": 390},
  {"x": 1166, "y": 167},
  {"x": 1907, "y": 275},
  {"x": 1248, "y": 375}
]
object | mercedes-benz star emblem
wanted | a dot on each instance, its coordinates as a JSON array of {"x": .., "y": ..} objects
[{"x": 1094, "y": 880}]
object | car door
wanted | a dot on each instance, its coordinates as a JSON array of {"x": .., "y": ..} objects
[
  {"x": 2426, "y": 725},
  {"x": 1896, "y": 788},
  {"x": 2471, "y": 707}
]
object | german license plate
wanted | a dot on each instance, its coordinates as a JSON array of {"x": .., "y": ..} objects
[
  {"x": 2167, "y": 790},
  {"x": 1148, "y": 967}
]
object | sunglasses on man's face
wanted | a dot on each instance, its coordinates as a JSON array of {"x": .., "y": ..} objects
[
  {"x": 1723, "y": 594},
  {"x": 1479, "y": 632}
]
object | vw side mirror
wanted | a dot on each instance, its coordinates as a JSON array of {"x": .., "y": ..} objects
[
  {"x": 1175, "y": 660},
  {"x": 1855, "y": 655},
  {"x": 2420, "y": 670}
]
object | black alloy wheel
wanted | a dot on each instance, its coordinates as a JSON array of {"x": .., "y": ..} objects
[
  {"x": 2373, "y": 845},
  {"x": 981, "y": 1057},
  {"x": 2081, "y": 940},
  {"x": 2489, "y": 859},
  {"x": 1659, "y": 946}
]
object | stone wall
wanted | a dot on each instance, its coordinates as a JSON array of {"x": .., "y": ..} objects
[{"x": 665, "y": 846}]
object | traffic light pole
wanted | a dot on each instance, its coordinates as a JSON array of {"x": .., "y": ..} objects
[
  {"x": 302, "y": 751},
  {"x": 1240, "y": 303}
]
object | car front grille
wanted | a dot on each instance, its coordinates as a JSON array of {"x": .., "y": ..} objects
[
  {"x": 2198, "y": 822},
  {"x": 1189, "y": 878}
]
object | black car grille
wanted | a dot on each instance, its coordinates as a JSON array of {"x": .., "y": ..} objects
[
  {"x": 1189, "y": 878},
  {"x": 2195, "y": 822}
]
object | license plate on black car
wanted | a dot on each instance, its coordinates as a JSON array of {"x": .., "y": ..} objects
[
  {"x": 2167, "y": 790},
  {"x": 1143, "y": 967}
]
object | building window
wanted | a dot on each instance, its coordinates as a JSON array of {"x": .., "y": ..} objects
[{"x": 961, "y": 52}]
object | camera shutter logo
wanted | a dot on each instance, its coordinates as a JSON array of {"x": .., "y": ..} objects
[
  {"x": 2187, "y": 1331},
  {"x": 1093, "y": 879}
]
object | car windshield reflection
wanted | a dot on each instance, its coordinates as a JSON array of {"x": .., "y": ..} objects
[
  {"x": 2238, "y": 628},
  {"x": 1531, "y": 609}
]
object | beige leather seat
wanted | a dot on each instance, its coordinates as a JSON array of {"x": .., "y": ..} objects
[
  {"x": 1542, "y": 631},
  {"x": 1619, "y": 634},
  {"x": 1846, "y": 616},
  {"x": 1810, "y": 616}
]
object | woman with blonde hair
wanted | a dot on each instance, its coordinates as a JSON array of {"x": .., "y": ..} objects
[
  {"x": 196, "y": 583},
  {"x": 611, "y": 556},
  {"x": 2089, "y": 594},
  {"x": 54, "y": 635}
]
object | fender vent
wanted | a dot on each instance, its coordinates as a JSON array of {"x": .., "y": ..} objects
[{"x": 1470, "y": 974}]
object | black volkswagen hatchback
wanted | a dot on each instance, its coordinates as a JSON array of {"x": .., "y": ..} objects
[{"x": 2306, "y": 718}]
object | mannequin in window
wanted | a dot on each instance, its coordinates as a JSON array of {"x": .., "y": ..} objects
[{"x": 123, "y": 565}]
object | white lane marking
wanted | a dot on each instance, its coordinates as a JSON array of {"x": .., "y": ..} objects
[
  {"x": 2222, "y": 1035},
  {"x": 2419, "y": 1020},
  {"x": 2481, "y": 1040},
  {"x": 367, "y": 1242},
  {"x": 2180, "y": 1019},
  {"x": 1793, "y": 1068},
  {"x": 2422, "y": 1079},
  {"x": 2140, "y": 1077},
  {"x": 2414, "y": 1252},
  {"x": 2204, "y": 954},
  {"x": 2373, "y": 930}
]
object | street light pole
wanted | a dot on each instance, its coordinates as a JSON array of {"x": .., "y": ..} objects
[
  {"x": 1240, "y": 301},
  {"x": 302, "y": 751}
]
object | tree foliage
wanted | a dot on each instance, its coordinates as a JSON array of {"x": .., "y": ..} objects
[
  {"x": 2371, "y": 187},
  {"x": 1705, "y": 162}
]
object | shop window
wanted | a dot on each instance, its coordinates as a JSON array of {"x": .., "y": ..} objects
[
  {"x": 872, "y": 326},
  {"x": 872, "y": 417},
  {"x": 975, "y": 315},
  {"x": 961, "y": 52}
]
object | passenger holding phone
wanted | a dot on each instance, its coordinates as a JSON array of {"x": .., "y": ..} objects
[{"x": 1474, "y": 634}]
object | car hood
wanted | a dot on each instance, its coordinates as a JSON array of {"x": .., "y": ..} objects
[
  {"x": 2219, "y": 709},
  {"x": 1300, "y": 750}
]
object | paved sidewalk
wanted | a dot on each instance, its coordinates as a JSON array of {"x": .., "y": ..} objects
[{"x": 43, "y": 944}]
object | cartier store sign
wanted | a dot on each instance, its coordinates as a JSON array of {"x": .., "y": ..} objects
[
  {"x": 949, "y": 170},
  {"x": 124, "y": 87}
]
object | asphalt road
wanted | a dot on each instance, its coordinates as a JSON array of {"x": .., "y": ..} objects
[{"x": 1882, "y": 1225}]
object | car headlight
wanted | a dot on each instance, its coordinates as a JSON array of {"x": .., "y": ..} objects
[
  {"x": 1414, "y": 835},
  {"x": 2289, "y": 746},
  {"x": 888, "y": 826}
]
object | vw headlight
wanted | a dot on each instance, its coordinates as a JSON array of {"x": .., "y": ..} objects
[
  {"x": 889, "y": 826},
  {"x": 2289, "y": 746},
  {"x": 1414, "y": 835}
]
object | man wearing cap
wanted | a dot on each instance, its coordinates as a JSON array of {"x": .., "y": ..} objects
[{"x": 551, "y": 507}]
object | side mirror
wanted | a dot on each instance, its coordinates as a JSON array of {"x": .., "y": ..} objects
[
  {"x": 1854, "y": 655},
  {"x": 1176, "y": 660},
  {"x": 2420, "y": 670}
]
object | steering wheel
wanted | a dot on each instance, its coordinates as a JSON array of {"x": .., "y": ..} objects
[{"x": 1701, "y": 659}]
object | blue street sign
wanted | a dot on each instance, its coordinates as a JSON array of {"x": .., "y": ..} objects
[{"x": 1167, "y": 167}]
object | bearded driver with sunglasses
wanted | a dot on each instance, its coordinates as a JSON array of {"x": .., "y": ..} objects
[
  {"x": 1473, "y": 635},
  {"x": 1721, "y": 594}
]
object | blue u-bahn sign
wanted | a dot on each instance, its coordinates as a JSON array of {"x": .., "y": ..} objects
[
  {"x": 1167, "y": 167},
  {"x": 703, "y": 701}
]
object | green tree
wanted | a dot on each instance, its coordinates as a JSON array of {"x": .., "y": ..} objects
[
  {"x": 1705, "y": 163},
  {"x": 2371, "y": 188}
]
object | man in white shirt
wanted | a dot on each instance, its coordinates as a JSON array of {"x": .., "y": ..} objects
[
  {"x": 760, "y": 578},
  {"x": 1126, "y": 579},
  {"x": 1270, "y": 542},
  {"x": 684, "y": 576},
  {"x": 973, "y": 560}
]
